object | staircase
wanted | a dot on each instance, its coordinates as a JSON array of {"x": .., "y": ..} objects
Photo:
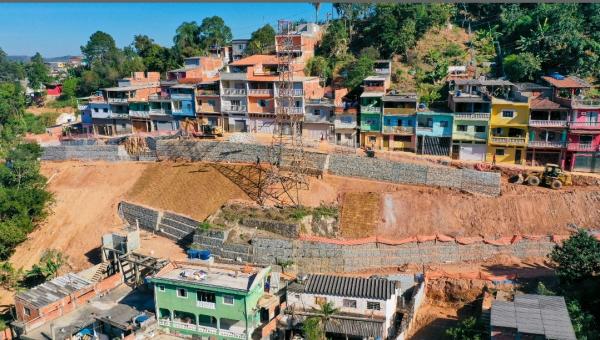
[{"x": 100, "y": 272}]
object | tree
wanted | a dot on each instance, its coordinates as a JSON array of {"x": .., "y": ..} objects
[
  {"x": 577, "y": 258},
  {"x": 187, "y": 40},
  {"x": 155, "y": 57},
  {"x": 37, "y": 72},
  {"x": 312, "y": 329},
  {"x": 369, "y": 52},
  {"x": 100, "y": 47},
  {"x": 214, "y": 32},
  {"x": 522, "y": 67},
  {"x": 466, "y": 330},
  {"x": 583, "y": 322},
  {"x": 314, "y": 326},
  {"x": 69, "y": 89},
  {"x": 318, "y": 67},
  {"x": 262, "y": 41},
  {"x": 9, "y": 70},
  {"x": 358, "y": 70},
  {"x": 335, "y": 41}
]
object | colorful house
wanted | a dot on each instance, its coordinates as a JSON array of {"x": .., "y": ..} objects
[
  {"x": 345, "y": 121},
  {"x": 547, "y": 132},
  {"x": 508, "y": 130},
  {"x": 399, "y": 120},
  {"x": 370, "y": 118},
  {"x": 217, "y": 301},
  {"x": 434, "y": 132},
  {"x": 583, "y": 137}
]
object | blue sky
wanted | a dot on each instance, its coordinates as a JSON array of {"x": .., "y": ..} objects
[{"x": 56, "y": 29}]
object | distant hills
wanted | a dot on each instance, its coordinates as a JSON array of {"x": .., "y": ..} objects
[{"x": 26, "y": 58}]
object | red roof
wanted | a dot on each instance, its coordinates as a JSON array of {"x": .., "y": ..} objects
[
  {"x": 257, "y": 59},
  {"x": 569, "y": 82},
  {"x": 544, "y": 103}
]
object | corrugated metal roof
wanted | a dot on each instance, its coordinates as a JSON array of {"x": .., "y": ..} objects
[
  {"x": 361, "y": 328},
  {"x": 534, "y": 314},
  {"x": 377, "y": 289},
  {"x": 54, "y": 290}
]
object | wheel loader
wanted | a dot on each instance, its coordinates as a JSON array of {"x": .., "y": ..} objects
[{"x": 552, "y": 176}]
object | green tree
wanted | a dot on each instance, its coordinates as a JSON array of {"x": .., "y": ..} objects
[
  {"x": 583, "y": 322},
  {"x": 187, "y": 40},
  {"x": 577, "y": 258},
  {"x": 69, "y": 90},
  {"x": 155, "y": 57},
  {"x": 214, "y": 32},
  {"x": 335, "y": 41},
  {"x": 100, "y": 47},
  {"x": 37, "y": 72},
  {"x": 369, "y": 52},
  {"x": 312, "y": 329},
  {"x": 318, "y": 67},
  {"x": 522, "y": 67},
  {"x": 315, "y": 326},
  {"x": 262, "y": 41},
  {"x": 9, "y": 70},
  {"x": 358, "y": 70},
  {"x": 466, "y": 330}
]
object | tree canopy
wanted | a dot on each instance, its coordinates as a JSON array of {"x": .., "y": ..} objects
[
  {"x": 262, "y": 41},
  {"x": 37, "y": 72},
  {"x": 214, "y": 32},
  {"x": 577, "y": 258}
]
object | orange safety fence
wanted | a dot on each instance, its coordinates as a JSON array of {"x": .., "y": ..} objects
[
  {"x": 463, "y": 240},
  {"x": 474, "y": 275}
]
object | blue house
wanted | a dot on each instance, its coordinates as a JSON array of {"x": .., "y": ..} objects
[
  {"x": 182, "y": 101},
  {"x": 434, "y": 132}
]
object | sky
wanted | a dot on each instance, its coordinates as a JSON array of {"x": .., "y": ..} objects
[{"x": 57, "y": 29}]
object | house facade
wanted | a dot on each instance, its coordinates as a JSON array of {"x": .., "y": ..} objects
[
  {"x": 508, "y": 132},
  {"x": 434, "y": 132},
  {"x": 366, "y": 307},
  {"x": 217, "y": 301},
  {"x": 399, "y": 121}
]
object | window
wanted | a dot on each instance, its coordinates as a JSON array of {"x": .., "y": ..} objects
[
  {"x": 161, "y": 288},
  {"x": 298, "y": 103},
  {"x": 508, "y": 114},
  {"x": 319, "y": 300},
  {"x": 297, "y": 296},
  {"x": 461, "y": 128},
  {"x": 429, "y": 122},
  {"x": 176, "y": 105},
  {"x": 181, "y": 292},
  {"x": 212, "y": 102},
  {"x": 444, "y": 123},
  {"x": 236, "y": 103},
  {"x": 346, "y": 119},
  {"x": 262, "y": 103},
  {"x": 372, "y": 139},
  {"x": 205, "y": 296},
  {"x": 26, "y": 311},
  {"x": 479, "y": 128},
  {"x": 188, "y": 106},
  {"x": 373, "y": 305},
  {"x": 199, "y": 102},
  {"x": 499, "y": 152},
  {"x": 95, "y": 109},
  {"x": 497, "y": 131},
  {"x": 227, "y": 299},
  {"x": 123, "y": 126},
  {"x": 316, "y": 112},
  {"x": 349, "y": 303},
  {"x": 105, "y": 110}
]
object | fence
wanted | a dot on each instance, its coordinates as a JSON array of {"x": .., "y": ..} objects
[{"x": 408, "y": 319}]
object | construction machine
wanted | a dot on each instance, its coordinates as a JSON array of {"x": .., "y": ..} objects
[{"x": 552, "y": 176}]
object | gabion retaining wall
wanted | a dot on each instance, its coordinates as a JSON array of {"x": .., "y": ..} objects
[
  {"x": 84, "y": 152},
  {"x": 487, "y": 183},
  {"x": 291, "y": 230}
]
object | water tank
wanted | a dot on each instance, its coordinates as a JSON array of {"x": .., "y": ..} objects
[
  {"x": 458, "y": 93},
  {"x": 193, "y": 253},
  {"x": 204, "y": 254},
  {"x": 557, "y": 76}
]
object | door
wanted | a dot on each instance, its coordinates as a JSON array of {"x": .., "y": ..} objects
[
  {"x": 386, "y": 142},
  {"x": 240, "y": 126},
  {"x": 338, "y": 137},
  {"x": 455, "y": 151},
  {"x": 518, "y": 156}
]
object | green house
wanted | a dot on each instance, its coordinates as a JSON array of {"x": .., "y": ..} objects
[{"x": 216, "y": 301}]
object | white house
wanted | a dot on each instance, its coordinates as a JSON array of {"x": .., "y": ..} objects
[{"x": 367, "y": 307}]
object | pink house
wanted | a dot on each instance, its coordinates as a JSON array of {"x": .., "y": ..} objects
[{"x": 583, "y": 138}]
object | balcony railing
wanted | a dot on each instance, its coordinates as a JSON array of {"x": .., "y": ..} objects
[
  {"x": 207, "y": 108},
  {"x": 139, "y": 114},
  {"x": 581, "y": 147},
  {"x": 261, "y": 92},
  {"x": 181, "y": 96},
  {"x": 548, "y": 123},
  {"x": 583, "y": 103},
  {"x": 118, "y": 100},
  {"x": 400, "y": 130},
  {"x": 159, "y": 112},
  {"x": 584, "y": 125},
  {"x": 344, "y": 125},
  {"x": 158, "y": 97},
  {"x": 368, "y": 127},
  {"x": 291, "y": 92},
  {"x": 509, "y": 140},
  {"x": 425, "y": 128},
  {"x": 205, "y": 304},
  {"x": 207, "y": 92},
  {"x": 234, "y": 92},
  {"x": 82, "y": 107},
  {"x": 471, "y": 116},
  {"x": 545, "y": 144},
  {"x": 399, "y": 111},
  {"x": 291, "y": 110},
  {"x": 235, "y": 108},
  {"x": 464, "y": 135},
  {"x": 370, "y": 109},
  {"x": 382, "y": 70},
  {"x": 373, "y": 88}
]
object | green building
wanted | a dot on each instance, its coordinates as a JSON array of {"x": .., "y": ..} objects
[{"x": 217, "y": 301}]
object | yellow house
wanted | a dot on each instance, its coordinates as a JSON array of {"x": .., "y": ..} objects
[{"x": 507, "y": 136}]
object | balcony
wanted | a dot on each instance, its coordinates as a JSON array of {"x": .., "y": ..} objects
[
  {"x": 382, "y": 70},
  {"x": 207, "y": 92},
  {"x": 470, "y": 136},
  {"x": 260, "y": 92},
  {"x": 159, "y": 112},
  {"x": 578, "y": 103},
  {"x": 373, "y": 88},
  {"x": 548, "y": 123},
  {"x": 586, "y": 147},
  {"x": 82, "y": 107},
  {"x": 546, "y": 144},
  {"x": 291, "y": 92},
  {"x": 364, "y": 127},
  {"x": 291, "y": 110},
  {"x": 471, "y": 116},
  {"x": 517, "y": 141},
  {"x": 424, "y": 129},
  {"x": 139, "y": 114},
  {"x": 118, "y": 100},
  {"x": 584, "y": 125},
  {"x": 234, "y": 108},
  {"x": 240, "y": 334},
  {"x": 204, "y": 304},
  {"x": 233, "y": 76},
  {"x": 159, "y": 98},
  {"x": 399, "y": 111},
  {"x": 341, "y": 124},
  {"x": 399, "y": 130},
  {"x": 370, "y": 109},
  {"x": 181, "y": 96},
  {"x": 206, "y": 108},
  {"x": 234, "y": 92}
]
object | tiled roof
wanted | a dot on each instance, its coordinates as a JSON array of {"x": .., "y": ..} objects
[
  {"x": 534, "y": 314},
  {"x": 568, "y": 82},
  {"x": 256, "y": 59},
  {"x": 360, "y": 328},
  {"x": 544, "y": 103},
  {"x": 378, "y": 289},
  {"x": 54, "y": 290}
]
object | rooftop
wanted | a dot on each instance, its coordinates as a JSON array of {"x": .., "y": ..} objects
[
  {"x": 54, "y": 290},
  {"x": 534, "y": 314},
  {"x": 129, "y": 88},
  {"x": 544, "y": 103},
  {"x": 257, "y": 59},
  {"x": 375, "y": 78},
  {"x": 372, "y": 94},
  {"x": 482, "y": 82},
  {"x": 530, "y": 87},
  {"x": 363, "y": 328},
  {"x": 568, "y": 82},
  {"x": 400, "y": 97},
  {"x": 218, "y": 276},
  {"x": 379, "y": 289}
]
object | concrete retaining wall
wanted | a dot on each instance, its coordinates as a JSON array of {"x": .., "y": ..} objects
[
  {"x": 84, "y": 152},
  {"x": 291, "y": 230}
]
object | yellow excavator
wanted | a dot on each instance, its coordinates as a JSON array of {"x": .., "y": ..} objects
[{"x": 552, "y": 176}]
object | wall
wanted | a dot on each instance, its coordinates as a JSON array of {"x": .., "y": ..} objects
[
  {"x": 408, "y": 319},
  {"x": 84, "y": 152}
]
